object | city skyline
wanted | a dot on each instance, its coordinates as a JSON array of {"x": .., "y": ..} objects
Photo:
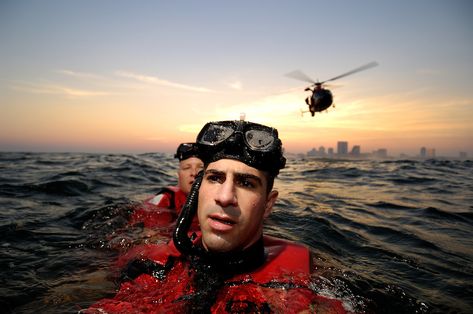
[{"x": 343, "y": 150}]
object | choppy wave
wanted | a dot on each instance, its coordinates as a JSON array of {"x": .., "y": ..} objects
[{"x": 387, "y": 236}]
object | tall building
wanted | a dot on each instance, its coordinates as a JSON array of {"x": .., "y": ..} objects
[
  {"x": 342, "y": 148},
  {"x": 423, "y": 152},
  {"x": 312, "y": 152},
  {"x": 330, "y": 152},
  {"x": 430, "y": 153},
  {"x": 356, "y": 151},
  {"x": 427, "y": 152}
]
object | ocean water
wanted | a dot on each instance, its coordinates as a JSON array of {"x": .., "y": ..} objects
[{"x": 388, "y": 236}]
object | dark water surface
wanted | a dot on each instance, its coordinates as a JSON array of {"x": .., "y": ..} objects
[{"x": 388, "y": 236}]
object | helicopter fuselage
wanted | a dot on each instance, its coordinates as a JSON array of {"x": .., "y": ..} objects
[{"x": 320, "y": 100}]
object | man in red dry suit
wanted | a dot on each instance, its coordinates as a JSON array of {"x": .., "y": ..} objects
[
  {"x": 230, "y": 266},
  {"x": 164, "y": 207}
]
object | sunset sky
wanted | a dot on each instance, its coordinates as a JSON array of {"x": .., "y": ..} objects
[{"x": 143, "y": 76}]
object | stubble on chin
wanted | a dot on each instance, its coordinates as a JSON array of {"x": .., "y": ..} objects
[{"x": 215, "y": 242}]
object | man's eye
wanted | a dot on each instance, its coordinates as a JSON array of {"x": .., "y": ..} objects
[
  {"x": 246, "y": 183},
  {"x": 214, "y": 178}
]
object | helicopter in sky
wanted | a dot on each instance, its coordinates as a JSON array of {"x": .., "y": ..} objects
[{"x": 322, "y": 98}]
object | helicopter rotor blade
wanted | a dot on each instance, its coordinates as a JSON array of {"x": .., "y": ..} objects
[
  {"x": 332, "y": 86},
  {"x": 301, "y": 76},
  {"x": 362, "y": 68}
]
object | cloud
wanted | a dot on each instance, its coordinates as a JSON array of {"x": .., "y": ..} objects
[
  {"x": 81, "y": 75},
  {"x": 54, "y": 89},
  {"x": 157, "y": 81},
  {"x": 235, "y": 85}
]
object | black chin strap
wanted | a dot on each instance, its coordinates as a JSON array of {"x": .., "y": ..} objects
[{"x": 181, "y": 240}]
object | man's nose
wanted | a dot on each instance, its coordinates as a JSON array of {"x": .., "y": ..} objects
[
  {"x": 227, "y": 194},
  {"x": 194, "y": 171}
]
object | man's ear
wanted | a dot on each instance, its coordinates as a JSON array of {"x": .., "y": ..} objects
[{"x": 270, "y": 201}]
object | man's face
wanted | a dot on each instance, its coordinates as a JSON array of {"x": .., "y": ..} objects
[
  {"x": 233, "y": 201},
  {"x": 188, "y": 169}
]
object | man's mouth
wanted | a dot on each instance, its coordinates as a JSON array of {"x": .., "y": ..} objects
[{"x": 222, "y": 220}]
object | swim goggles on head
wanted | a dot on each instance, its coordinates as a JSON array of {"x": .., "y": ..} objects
[
  {"x": 187, "y": 150},
  {"x": 254, "y": 144}
]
